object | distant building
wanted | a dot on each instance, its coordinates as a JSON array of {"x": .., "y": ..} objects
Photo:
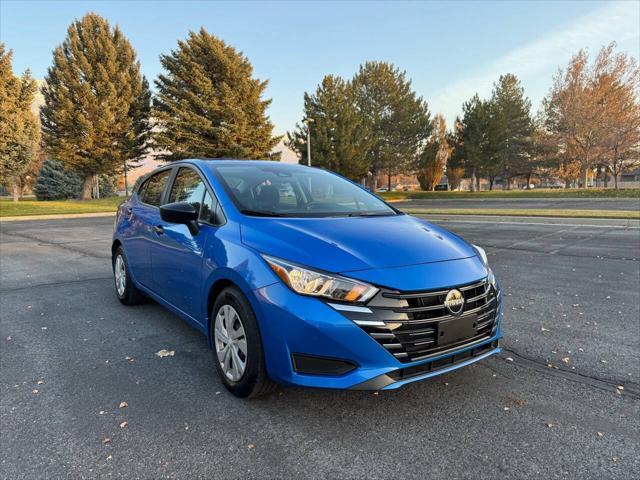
[
  {"x": 287, "y": 155},
  {"x": 630, "y": 179}
]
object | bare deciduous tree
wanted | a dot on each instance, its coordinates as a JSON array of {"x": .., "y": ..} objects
[
  {"x": 592, "y": 109},
  {"x": 433, "y": 160},
  {"x": 619, "y": 77}
]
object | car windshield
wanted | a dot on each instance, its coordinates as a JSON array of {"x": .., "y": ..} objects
[{"x": 296, "y": 191}]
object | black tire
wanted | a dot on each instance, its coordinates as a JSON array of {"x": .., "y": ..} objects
[
  {"x": 130, "y": 295},
  {"x": 254, "y": 382}
]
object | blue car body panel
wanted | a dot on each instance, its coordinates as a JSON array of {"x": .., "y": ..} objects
[
  {"x": 400, "y": 253},
  {"x": 335, "y": 244},
  {"x": 426, "y": 276}
]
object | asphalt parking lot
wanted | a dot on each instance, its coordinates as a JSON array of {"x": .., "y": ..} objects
[
  {"x": 548, "y": 407},
  {"x": 525, "y": 203}
]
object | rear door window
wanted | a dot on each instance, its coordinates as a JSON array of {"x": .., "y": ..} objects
[{"x": 151, "y": 190}]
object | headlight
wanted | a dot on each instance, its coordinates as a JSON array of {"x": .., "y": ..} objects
[
  {"x": 491, "y": 278},
  {"x": 309, "y": 282},
  {"x": 482, "y": 254}
]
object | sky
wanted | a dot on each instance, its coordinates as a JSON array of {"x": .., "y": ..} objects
[{"x": 450, "y": 50}]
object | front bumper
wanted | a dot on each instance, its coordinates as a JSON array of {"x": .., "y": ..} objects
[{"x": 293, "y": 324}]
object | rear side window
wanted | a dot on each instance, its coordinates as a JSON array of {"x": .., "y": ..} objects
[
  {"x": 187, "y": 187},
  {"x": 151, "y": 190}
]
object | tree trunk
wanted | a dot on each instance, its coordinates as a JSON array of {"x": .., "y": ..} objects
[
  {"x": 16, "y": 191},
  {"x": 584, "y": 175},
  {"x": 389, "y": 180},
  {"x": 615, "y": 180},
  {"x": 87, "y": 187},
  {"x": 473, "y": 180},
  {"x": 490, "y": 183},
  {"x": 528, "y": 180},
  {"x": 126, "y": 181},
  {"x": 478, "y": 184}
]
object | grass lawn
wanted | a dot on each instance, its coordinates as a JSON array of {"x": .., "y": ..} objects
[
  {"x": 535, "y": 193},
  {"x": 507, "y": 212},
  {"x": 8, "y": 208},
  {"x": 33, "y": 207}
]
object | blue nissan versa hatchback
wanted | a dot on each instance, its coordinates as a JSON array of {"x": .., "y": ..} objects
[{"x": 300, "y": 277}]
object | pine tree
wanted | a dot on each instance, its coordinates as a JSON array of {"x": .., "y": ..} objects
[
  {"x": 397, "y": 118},
  {"x": 209, "y": 105},
  {"x": 56, "y": 183},
  {"x": 511, "y": 127},
  {"x": 91, "y": 117},
  {"x": 19, "y": 132},
  {"x": 140, "y": 143},
  {"x": 474, "y": 137},
  {"x": 542, "y": 155},
  {"x": 339, "y": 136}
]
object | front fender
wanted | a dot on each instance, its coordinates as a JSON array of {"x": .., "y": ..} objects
[{"x": 229, "y": 262}]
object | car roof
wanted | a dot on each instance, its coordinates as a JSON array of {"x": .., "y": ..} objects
[
  {"x": 207, "y": 163},
  {"x": 233, "y": 161}
]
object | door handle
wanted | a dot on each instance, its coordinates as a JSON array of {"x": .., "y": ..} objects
[{"x": 158, "y": 229}]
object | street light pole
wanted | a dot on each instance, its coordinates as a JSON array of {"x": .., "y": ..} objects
[{"x": 308, "y": 121}]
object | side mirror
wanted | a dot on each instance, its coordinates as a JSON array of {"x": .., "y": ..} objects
[{"x": 182, "y": 213}]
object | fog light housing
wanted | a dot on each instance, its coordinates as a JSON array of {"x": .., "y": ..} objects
[{"x": 314, "y": 365}]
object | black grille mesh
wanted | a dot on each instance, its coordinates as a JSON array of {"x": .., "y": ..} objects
[{"x": 408, "y": 321}]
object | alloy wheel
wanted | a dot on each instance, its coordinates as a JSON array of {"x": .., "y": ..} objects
[
  {"x": 230, "y": 342},
  {"x": 120, "y": 273}
]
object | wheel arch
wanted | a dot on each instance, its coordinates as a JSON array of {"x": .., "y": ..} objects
[
  {"x": 115, "y": 245},
  {"x": 214, "y": 291},
  {"x": 224, "y": 278},
  {"x": 114, "y": 248}
]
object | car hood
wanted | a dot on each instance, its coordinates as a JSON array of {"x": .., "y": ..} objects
[{"x": 343, "y": 244}]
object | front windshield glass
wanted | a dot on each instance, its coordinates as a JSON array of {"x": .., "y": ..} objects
[{"x": 296, "y": 191}]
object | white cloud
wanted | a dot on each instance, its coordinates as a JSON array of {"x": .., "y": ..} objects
[{"x": 536, "y": 62}]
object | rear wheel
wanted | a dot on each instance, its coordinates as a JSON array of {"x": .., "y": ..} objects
[
  {"x": 127, "y": 293},
  {"x": 237, "y": 346}
]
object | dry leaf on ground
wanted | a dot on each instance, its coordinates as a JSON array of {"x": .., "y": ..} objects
[{"x": 165, "y": 353}]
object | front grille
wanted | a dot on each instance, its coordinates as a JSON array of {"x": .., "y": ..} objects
[
  {"x": 435, "y": 365},
  {"x": 407, "y": 324}
]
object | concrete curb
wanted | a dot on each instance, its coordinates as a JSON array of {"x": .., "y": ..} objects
[
  {"x": 524, "y": 220},
  {"x": 62, "y": 216},
  {"x": 524, "y": 199}
]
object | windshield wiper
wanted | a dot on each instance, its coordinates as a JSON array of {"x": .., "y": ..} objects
[{"x": 262, "y": 213}]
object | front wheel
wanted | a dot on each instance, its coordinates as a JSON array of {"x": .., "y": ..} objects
[
  {"x": 237, "y": 346},
  {"x": 127, "y": 293}
]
